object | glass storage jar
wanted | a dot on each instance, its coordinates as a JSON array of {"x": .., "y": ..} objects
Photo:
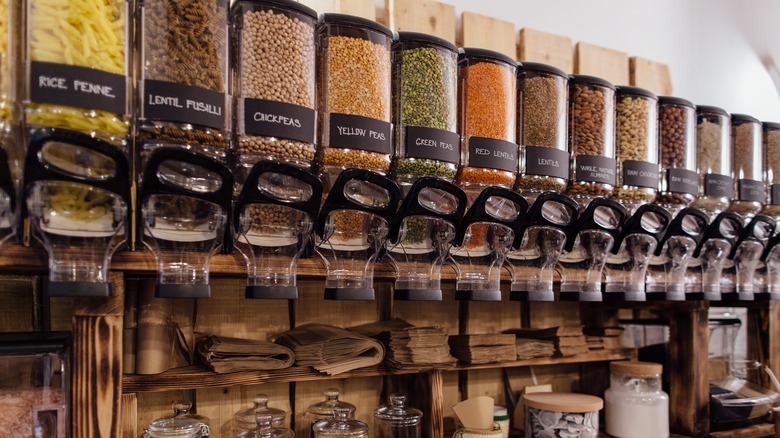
[
  {"x": 636, "y": 406},
  {"x": 636, "y": 146},
  {"x": 464, "y": 432},
  {"x": 542, "y": 121},
  {"x": 677, "y": 144},
  {"x": 183, "y": 409},
  {"x": 591, "y": 138},
  {"x": 501, "y": 417},
  {"x": 324, "y": 409},
  {"x": 340, "y": 426},
  {"x": 246, "y": 419},
  {"x": 425, "y": 112},
  {"x": 747, "y": 162},
  {"x": 264, "y": 428},
  {"x": 274, "y": 85},
  {"x": 713, "y": 153},
  {"x": 552, "y": 414},
  {"x": 771, "y": 134},
  {"x": 174, "y": 428},
  {"x": 397, "y": 420}
]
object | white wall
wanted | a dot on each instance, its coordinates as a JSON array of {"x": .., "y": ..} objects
[{"x": 720, "y": 52}]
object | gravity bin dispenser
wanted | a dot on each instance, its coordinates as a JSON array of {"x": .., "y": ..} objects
[
  {"x": 352, "y": 229},
  {"x": 421, "y": 237},
  {"x": 537, "y": 246},
  {"x": 669, "y": 265},
  {"x": 185, "y": 206},
  {"x": 705, "y": 268},
  {"x": 768, "y": 272},
  {"x": 7, "y": 200},
  {"x": 77, "y": 192},
  {"x": 275, "y": 215},
  {"x": 587, "y": 248},
  {"x": 483, "y": 241},
  {"x": 740, "y": 266},
  {"x": 631, "y": 254}
]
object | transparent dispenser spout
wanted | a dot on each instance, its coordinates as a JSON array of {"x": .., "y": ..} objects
[
  {"x": 275, "y": 217},
  {"x": 770, "y": 271},
  {"x": 186, "y": 207},
  {"x": 351, "y": 231},
  {"x": 421, "y": 236},
  {"x": 483, "y": 241},
  {"x": 739, "y": 270},
  {"x": 538, "y": 245},
  {"x": 77, "y": 191},
  {"x": 705, "y": 269}
]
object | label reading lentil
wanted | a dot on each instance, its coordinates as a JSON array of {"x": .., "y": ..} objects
[
  {"x": 72, "y": 85},
  {"x": 640, "y": 174},
  {"x": 358, "y": 132},
  {"x": 751, "y": 190},
  {"x": 492, "y": 153},
  {"x": 718, "y": 185},
  {"x": 683, "y": 181},
  {"x": 432, "y": 144},
  {"x": 182, "y": 103},
  {"x": 595, "y": 168},
  {"x": 545, "y": 161},
  {"x": 279, "y": 119},
  {"x": 775, "y": 194}
]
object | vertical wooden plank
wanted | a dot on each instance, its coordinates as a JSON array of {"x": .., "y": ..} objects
[
  {"x": 764, "y": 338},
  {"x": 129, "y": 416},
  {"x": 650, "y": 75},
  {"x": 16, "y": 313},
  {"x": 547, "y": 48},
  {"x": 424, "y": 16},
  {"x": 436, "y": 391},
  {"x": 608, "y": 64},
  {"x": 490, "y": 33},
  {"x": 130, "y": 327},
  {"x": 689, "y": 375}
]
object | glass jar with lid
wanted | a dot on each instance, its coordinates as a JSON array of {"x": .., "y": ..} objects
[
  {"x": 340, "y": 426},
  {"x": 552, "y": 414},
  {"x": 183, "y": 409},
  {"x": 397, "y": 420},
  {"x": 771, "y": 134},
  {"x": 178, "y": 427},
  {"x": 677, "y": 144},
  {"x": 713, "y": 152},
  {"x": 464, "y": 432},
  {"x": 246, "y": 419},
  {"x": 264, "y": 428},
  {"x": 636, "y": 406},
  {"x": 324, "y": 409},
  {"x": 747, "y": 161}
]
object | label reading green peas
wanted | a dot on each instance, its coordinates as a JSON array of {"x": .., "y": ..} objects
[{"x": 432, "y": 144}]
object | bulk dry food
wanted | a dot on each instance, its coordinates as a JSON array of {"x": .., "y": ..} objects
[
  {"x": 772, "y": 164},
  {"x": 78, "y": 203},
  {"x": 636, "y": 140},
  {"x": 713, "y": 149},
  {"x": 276, "y": 63},
  {"x": 186, "y": 212},
  {"x": 747, "y": 163},
  {"x": 676, "y": 118},
  {"x": 85, "y": 33},
  {"x": 8, "y": 53}
]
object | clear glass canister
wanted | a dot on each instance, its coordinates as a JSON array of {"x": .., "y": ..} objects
[
  {"x": 264, "y": 428},
  {"x": 557, "y": 414},
  {"x": 324, "y": 409},
  {"x": 425, "y": 112},
  {"x": 77, "y": 56},
  {"x": 591, "y": 138},
  {"x": 771, "y": 134},
  {"x": 713, "y": 149},
  {"x": 174, "y": 428},
  {"x": 542, "y": 121},
  {"x": 747, "y": 162},
  {"x": 464, "y": 432},
  {"x": 246, "y": 419},
  {"x": 340, "y": 426},
  {"x": 354, "y": 101},
  {"x": 11, "y": 144},
  {"x": 274, "y": 85},
  {"x": 183, "y": 409},
  {"x": 677, "y": 144},
  {"x": 397, "y": 420},
  {"x": 636, "y": 406},
  {"x": 636, "y": 144},
  {"x": 183, "y": 76}
]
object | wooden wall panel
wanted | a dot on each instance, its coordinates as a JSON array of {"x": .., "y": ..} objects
[
  {"x": 651, "y": 75},
  {"x": 17, "y": 311},
  {"x": 485, "y": 32},
  {"x": 431, "y": 17},
  {"x": 220, "y": 404},
  {"x": 311, "y": 306},
  {"x": 608, "y": 64},
  {"x": 361, "y": 8},
  {"x": 547, "y": 48}
]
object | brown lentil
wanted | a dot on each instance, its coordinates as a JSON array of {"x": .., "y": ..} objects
[
  {"x": 677, "y": 148},
  {"x": 747, "y": 161}
]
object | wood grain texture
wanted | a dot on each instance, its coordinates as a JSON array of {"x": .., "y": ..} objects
[
  {"x": 689, "y": 379},
  {"x": 16, "y": 313},
  {"x": 220, "y": 404},
  {"x": 311, "y": 306},
  {"x": 547, "y": 48},
  {"x": 426, "y": 16},
  {"x": 763, "y": 336},
  {"x": 650, "y": 75},
  {"x": 363, "y": 392},
  {"x": 154, "y": 405},
  {"x": 361, "y": 8},
  {"x": 754, "y": 431},
  {"x": 436, "y": 390},
  {"x": 490, "y": 33},
  {"x": 129, "y": 416},
  {"x": 608, "y": 64}
]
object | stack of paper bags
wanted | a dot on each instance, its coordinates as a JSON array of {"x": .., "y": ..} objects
[
  {"x": 410, "y": 347},
  {"x": 600, "y": 338},
  {"x": 531, "y": 348},
  {"x": 476, "y": 349},
  {"x": 230, "y": 355},
  {"x": 568, "y": 340}
]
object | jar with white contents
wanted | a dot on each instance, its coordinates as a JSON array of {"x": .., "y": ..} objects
[{"x": 636, "y": 406}]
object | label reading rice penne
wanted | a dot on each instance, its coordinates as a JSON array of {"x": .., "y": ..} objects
[{"x": 66, "y": 84}]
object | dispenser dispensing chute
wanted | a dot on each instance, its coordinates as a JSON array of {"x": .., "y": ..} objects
[
  {"x": 740, "y": 266},
  {"x": 7, "y": 200},
  {"x": 705, "y": 268},
  {"x": 770, "y": 271}
]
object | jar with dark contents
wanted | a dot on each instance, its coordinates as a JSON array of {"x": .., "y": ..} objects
[
  {"x": 424, "y": 108},
  {"x": 274, "y": 87},
  {"x": 713, "y": 153},
  {"x": 677, "y": 144},
  {"x": 771, "y": 135},
  {"x": 591, "y": 138},
  {"x": 747, "y": 162},
  {"x": 354, "y": 69},
  {"x": 636, "y": 144},
  {"x": 542, "y": 121}
]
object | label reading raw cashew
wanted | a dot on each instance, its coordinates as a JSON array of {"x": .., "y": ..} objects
[
  {"x": 595, "y": 168},
  {"x": 269, "y": 118},
  {"x": 182, "y": 103},
  {"x": 640, "y": 174},
  {"x": 432, "y": 144},
  {"x": 682, "y": 181},
  {"x": 492, "y": 153},
  {"x": 357, "y": 132},
  {"x": 718, "y": 185},
  {"x": 751, "y": 190},
  {"x": 71, "y": 85},
  {"x": 544, "y": 161}
]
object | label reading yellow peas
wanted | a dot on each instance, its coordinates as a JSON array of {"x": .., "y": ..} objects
[
  {"x": 62, "y": 84},
  {"x": 358, "y": 132},
  {"x": 170, "y": 101}
]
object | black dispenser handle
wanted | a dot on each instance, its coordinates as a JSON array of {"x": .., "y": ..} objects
[
  {"x": 676, "y": 227},
  {"x": 6, "y": 183},
  {"x": 634, "y": 224},
  {"x": 759, "y": 229},
  {"x": 588, "y": 221},
  {"x": 536, "y": 216},
  {"x": 715, "y": 230},
  {"x": 478, "y": 212},
  {"x": 411, "y": 205}
]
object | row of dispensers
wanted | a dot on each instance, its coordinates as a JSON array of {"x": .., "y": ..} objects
[{"x": 76, "y": 202}]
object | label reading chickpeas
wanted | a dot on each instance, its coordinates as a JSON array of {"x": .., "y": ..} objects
[
  {"x": 640, "y": 174},
  {"x": 751, "y": 190},
  {"x": 682, "y": 181},
  {"x": 91, "y": 88},
  {"x": 595, "y": 168},
  {"x": 170, "y": 101},
  {"x": 357, "y": 132},
  {"x": 279, "y": 119},
  {"x": 432, "y": 144},
  {"x": 492, "y": 154},
  {"x": 718, "y": 185},
  {"x": 546, "y": 161}
]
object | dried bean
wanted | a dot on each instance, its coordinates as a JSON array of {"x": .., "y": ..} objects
[
  {"x": 635, "y": 140},
  {"x": 677, "y": 149},
  {"x": 747, "y": 162}
]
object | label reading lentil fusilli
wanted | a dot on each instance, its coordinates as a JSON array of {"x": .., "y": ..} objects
[
  {"x": 184, "y": 103},
  {"x": 279, "y": 119},
  {"x": 63, "y": 84},
  {"x": 432, "y": 144},
  {"x": 492, "y": 153},
  {"x": 358, "y": 132}
]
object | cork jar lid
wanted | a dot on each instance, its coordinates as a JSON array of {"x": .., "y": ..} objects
[
  {"x": 636, "y": 369},
  {"x": 563, "y": 402}
]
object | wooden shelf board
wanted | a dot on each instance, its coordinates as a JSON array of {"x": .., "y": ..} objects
[
  {"x": 196, "y": 377},
  {"x": 754, "y": 431}
]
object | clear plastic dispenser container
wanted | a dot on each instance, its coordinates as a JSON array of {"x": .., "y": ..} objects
[
  {"x": 11, "y": 143},
  {"x": 677, "y": 145},
  {"x": 77, "y": 194},
  {"x": 34, "y": 384},
  {"x": 538, "y": 244},
  {"x": 174, "y": 428},
  {"x": 8, "y": 200},
  {"x": 352, "y": 229},
  {"x": 425, "y": 108},
  {"x": 542, "y": 122},
  {"x": 185, "y": 211},
  {"x": 483, "y": 241},
  {"x": 632, "y": 251},
  {"x": 265, "y": 427},
  {"x": 340, "y": 426},
  {"x": 636, "y": 406},
  {"x": 747, "y": 162},
  {"x": 397, "y": 420},
  {"x": 183, "y": 409},
  {"x": 713, "y": 149},
  {"x": 636, "y": 147},
  {"x": 771, "y": 133},
  {"x": 354, "y": 96},
  {"x": 587, "y": 249},
  {"x": 246, "y": 419},
  {"x": 705, "y": 268},
  {"x": 274, "y": 221},
  {"x": 739, "y": 269},
  {"x": 591, "y": 138},
  {"x": 668, "y": 268},
  {"x": 273, "y": 91},
  {"x": 421, "y": 237},
  {"x": 324, "y": 409},
  {"x": 769, "y": 271},
  {"x": 554, "y": 414}
]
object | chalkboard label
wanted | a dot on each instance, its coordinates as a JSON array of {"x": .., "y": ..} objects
[
  {"x": 751, "y": 190},
  {"x": 492, "y": 153},
  {"x": 718, "y": 185},
  {"x": 357, "y": 132},
  {"x": 640, "y": 174},
  {"x": 279, "y": 119},
  {"x": 595, "y": 168},
  {"x": 82, "y": 87},
  {"x": 171, "y": 101},
  {"x": 775, "y": 194},
  {"x": 432, "y": 144},
  {"x": 544, "y": 161},
  {"x": 682, "y": 181}
]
